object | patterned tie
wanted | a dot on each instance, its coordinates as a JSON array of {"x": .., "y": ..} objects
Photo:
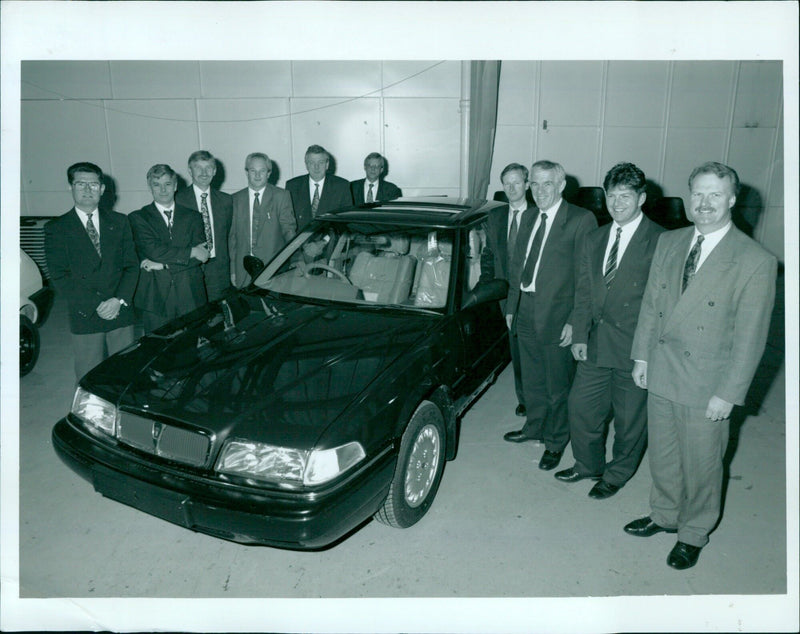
[
  {"x": 530, "y": 263},
  {"x": 168, "y": 214},
  {"x": 691, "y": 262},
  {"x": 611, "y": 264},
  {"x": 370, "y": 198},
  {"x": 206, "y": 220},
  {"x": 512, "y": 235},
  {"x": 315, "y": 201},
  {"x": 254, "y": 224},
  {"x": 93, "y": 235}
]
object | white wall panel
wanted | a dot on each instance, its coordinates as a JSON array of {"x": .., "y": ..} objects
[
  {"x": 160, "y": 131},
  {"x": 423, "y": 142},
  {"x": 641, "y": 146},
  {"x": 748, "y": 148},
  {"x": 54, "y": 203},
  {"x": 56, "y": 79},
  {"x": 246, "y": 79},
  {"x": 570, "y": 93},
  {"x": 155, "y": 79},
  {"x": 636, "y": 94},
  {"x": 758, "y": 94},
  {"x": 232, "y": 129},
  {"x": 517, "y": 93},
  {"x": 701, "y": 94},
  {"x": 56, "y": 134},
  {"x": 686, "y": 149},
  {"x": 422, "y": 79},
  {"x": 514, "y": 144},
  {"x": 335, "y": 79},
  {"x": 347, "y": 131},
  {"x": 775, "y": 191},
  {"x": 574, "y": 148}
]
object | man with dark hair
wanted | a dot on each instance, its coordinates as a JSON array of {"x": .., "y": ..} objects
[
  {"x": 317, "y": 192},
  {"x": 263, "y": 220},
  {"x": 171, "y": 243},
  {"x": 215, "y": 208},
  {"x": 373, "y": 188},
  {"x": 507, "y": 236},
  {"x": 541, "y": 306},
  {"x": 701, "y": 333},
  {"x": 92, "y": 262},
  {"x": 612, "y": 273}
]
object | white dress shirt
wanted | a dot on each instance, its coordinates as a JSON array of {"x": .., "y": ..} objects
[
  {"x": 367, "y": 183},
  {"x": 83, "y": 216},
  {"x": 311, "y": 184},
  {"x": 624, "y": 238},
  {"x": 551, "y": 217},
  {"x": 710, "y": 241},
  {"x": 161, "y": 210}
]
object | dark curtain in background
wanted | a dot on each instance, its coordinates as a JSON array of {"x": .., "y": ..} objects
[{"x": 484, "y": 82}]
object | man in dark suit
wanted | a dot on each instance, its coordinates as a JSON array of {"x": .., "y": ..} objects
[
  {"x": 215, "y": 208},
  {"x": 542, "y": 305},
  {"x": 612, "y": 273},
  {"x": 92, "y": 262},
  {"x": 700, "y": 336},
  {"x": 502, "y": 226},
  {"x": 317, "y": 192},
  {"x": 263, "y": 220},
  {"x": 171, "y": 243},
  {"x": 373, "y": 188}
]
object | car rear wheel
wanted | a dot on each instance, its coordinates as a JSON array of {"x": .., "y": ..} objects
[
  {"x": 28, "y": 345},
  {"x": 420, "y": 464}
]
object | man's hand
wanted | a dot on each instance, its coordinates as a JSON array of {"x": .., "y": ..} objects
[
  {"x": 579, "y": 351},
  {"x": 718, "y": 409},
  {"x": 639, "y": 374},
  {"x": 200, "y": 252},
  {"x": 149, "y": 265},
  {"x": 566, "y": 336},
  {"x": 109, "y": 309}
]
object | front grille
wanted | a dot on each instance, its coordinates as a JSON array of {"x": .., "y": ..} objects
[{"x": 164, "y": 440}]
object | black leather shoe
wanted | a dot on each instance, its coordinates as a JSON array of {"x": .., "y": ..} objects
[
  {"x": 521, "y": 411},
  {"x": 550, "y": 460},
  {"x": 570, "y": 475},
  {"x": 518, "y": 436},
  {"x": 603, "y": 490},
  {"x": 645, "y": 527},
  {"x": 683, "y": 556}
]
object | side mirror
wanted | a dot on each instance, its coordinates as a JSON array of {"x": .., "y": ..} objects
[
  {"x": 253, "y": 266},
  {"x": 490, "y": 291}
]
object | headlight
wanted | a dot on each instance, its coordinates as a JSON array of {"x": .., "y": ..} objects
[
  {"x": 95, "y": 411},
  {"x": 284, "y": 464}
]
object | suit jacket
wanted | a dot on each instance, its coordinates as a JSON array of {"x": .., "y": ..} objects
[
  {"x": 605, "y": 317},
  {"x": 386, "y": 191},
  {"x": 216, "y": 270},
  {"x": 182, "y": 274},
  {"x": 335, "y": 194},
  {"x": 494, "y": 259},
  {"x": 85, "y": 278},
  {"x": 708, "y": 340},
  {"x": 557, "y": 277},
  {"x": 275, "y": 227}
]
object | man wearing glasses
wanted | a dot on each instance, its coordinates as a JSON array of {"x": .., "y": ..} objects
[{"x": 92, "y": 262}]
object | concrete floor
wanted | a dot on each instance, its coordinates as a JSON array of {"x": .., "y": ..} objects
[{"x": 499, "y": 528}]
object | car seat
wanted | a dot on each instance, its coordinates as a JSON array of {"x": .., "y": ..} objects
[{"x": 385, "y": 278}]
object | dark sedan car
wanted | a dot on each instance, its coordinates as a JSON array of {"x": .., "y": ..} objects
[{"x": 326, "y": 393}]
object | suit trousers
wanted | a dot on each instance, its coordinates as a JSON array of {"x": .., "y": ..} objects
[
  {"x": 217, "y": 278},
  {"x": 686, "y": 452},
  {"x": 547, "y": 371},
  {"x": 90, "y": 349},
  {"x": 517, "y": 366},
  {"x": 596, "y": 391}
]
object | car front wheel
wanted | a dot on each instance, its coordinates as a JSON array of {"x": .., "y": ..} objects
[
  {"x": 28, "y": 345},
  {"x": 420, "y": 464}
]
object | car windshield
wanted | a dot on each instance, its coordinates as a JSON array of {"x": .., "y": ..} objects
[{"x": 363, "y": 263}]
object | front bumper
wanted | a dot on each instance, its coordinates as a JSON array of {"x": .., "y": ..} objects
[{"x": 249, "y": 515}]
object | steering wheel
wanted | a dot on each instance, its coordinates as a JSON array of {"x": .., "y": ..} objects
[{"x": 319, "y": 265}]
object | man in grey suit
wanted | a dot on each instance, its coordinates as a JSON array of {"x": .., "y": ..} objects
[
  {"x": 263, "y": 219},
  {"x": 612, "y": 273},
  {"x": 701, "y": 333},
  {"x": 215, "y": 208}
]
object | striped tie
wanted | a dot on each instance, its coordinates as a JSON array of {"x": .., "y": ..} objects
[
  {"x": 691, "y": 263},
  {"x": 611, "y": 264}
]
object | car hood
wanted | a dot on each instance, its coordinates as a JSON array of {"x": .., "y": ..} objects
[{"x": 254, "y": 367}]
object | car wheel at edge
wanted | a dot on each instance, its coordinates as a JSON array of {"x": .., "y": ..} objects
[
  {"x": 28, "y": 345},
  {"x": 420, "y": 464}
]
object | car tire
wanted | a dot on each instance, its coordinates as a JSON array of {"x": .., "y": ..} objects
[
  {"x": 419, "y": 468},
  {"x": 28, "y": 345}
]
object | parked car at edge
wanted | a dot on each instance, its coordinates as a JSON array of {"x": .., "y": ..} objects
[
  {"x": 328, "y": 392},
  {"x": 35, "y": 301}
]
